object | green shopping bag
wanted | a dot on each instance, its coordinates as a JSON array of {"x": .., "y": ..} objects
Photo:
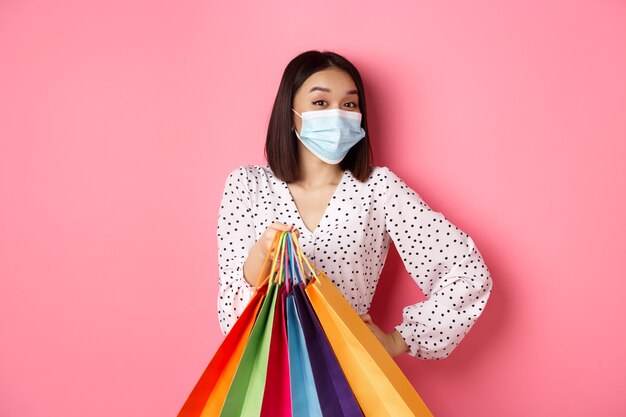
[{"x": 245, "y": 395}]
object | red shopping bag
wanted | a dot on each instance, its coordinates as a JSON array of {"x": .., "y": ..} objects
[
  {"x": 277, "y": 395},
  {"x": 208, "y": 396}
]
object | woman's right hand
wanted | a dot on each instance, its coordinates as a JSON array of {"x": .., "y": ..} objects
[
  {"x": 260, "y": 250},
  {"x": 265, "y": 241}
]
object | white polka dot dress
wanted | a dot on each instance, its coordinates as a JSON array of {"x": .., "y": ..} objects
[{"x": 351, "y": 244}]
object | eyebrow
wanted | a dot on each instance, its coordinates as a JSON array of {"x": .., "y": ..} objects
[{"x": 327, "y": 90}]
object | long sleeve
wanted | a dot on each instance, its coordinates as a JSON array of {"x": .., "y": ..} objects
[
  {"x": 445, "y": 263},
  {"x": 235, "y": 237}
]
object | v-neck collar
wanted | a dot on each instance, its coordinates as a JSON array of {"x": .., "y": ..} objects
[{"x": 329, "y": 207}]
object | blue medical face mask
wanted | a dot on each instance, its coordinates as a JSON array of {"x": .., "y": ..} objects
[{"x": 330, "y": 133}]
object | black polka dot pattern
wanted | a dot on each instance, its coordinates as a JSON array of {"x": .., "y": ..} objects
[{"x": 351, "y": 243}]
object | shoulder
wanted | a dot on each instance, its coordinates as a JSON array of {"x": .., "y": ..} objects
[
  {"x": 393, "y": 186},
  {"x": 250, "y": 172},
  {"x": 381, "y": 180},
  {"x": 382, "y": 176},
  {"x": 377, "y": 179}
]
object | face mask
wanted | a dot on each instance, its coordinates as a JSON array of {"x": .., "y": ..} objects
[{"x": 330, "y": 133}]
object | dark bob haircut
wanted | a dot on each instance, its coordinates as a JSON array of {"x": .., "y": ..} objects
[{"x": 281, "y": 147}]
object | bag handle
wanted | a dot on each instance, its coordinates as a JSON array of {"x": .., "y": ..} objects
[
  {"x": 293, "y": 261},
  {"x": 283, "y": 256},
  {"x": 287, "y": 263},
  {"x": 289, "y": 270},
  {"x": 275, "y": 244},
  {"x": 302, "y": 257}
]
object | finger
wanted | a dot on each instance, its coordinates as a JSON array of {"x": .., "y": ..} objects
[
  {"x": 366, "y": 318},
  {"x": 281, "y": 227},
  {"x": 270, "y": 234},
  {"x": 272, "y": 229}
]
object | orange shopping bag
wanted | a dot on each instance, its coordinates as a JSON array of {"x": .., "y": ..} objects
[
  {"x": 379, "y": 385},
  {"x": 208, "y": 396}
]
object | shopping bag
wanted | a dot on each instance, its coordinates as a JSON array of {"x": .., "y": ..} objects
[
  {"x": 334, "y": 393},
  {"x": 335, "y": 397},
  {"x": 208, "y": 395},
  {"x": 245, "y": 395},
  {"x": 277, "y": 395},
  {"x": 304, "y": 399},
  {"x": 377, "y": 382}
]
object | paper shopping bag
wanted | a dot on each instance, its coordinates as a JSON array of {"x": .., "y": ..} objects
[
  {"x": 245, "y": 396},
  {"x": 207, "y": 397},
  {"x": 277, "y": 395},
  {"x": 209, "y": 393},
  {"x": 334, "y": 392},
  {"x": 304, "y": 399},
  {"x": 378, "y": 384}
]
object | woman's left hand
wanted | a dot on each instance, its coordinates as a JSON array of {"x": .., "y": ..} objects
[{"x": 393, "y": 342}]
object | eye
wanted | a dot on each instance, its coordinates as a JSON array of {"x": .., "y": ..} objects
[
  {"x": 319, "y": 101},
  {"x": 351, "y": 105}
]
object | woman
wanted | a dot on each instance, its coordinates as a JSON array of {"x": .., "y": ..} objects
[{"x": 320, "y": 181}]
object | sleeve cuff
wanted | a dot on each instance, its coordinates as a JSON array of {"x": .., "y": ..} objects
[{"x": 407, "y": 331}]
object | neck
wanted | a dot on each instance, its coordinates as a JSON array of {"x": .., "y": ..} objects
[{"x": 314, "y": 172}]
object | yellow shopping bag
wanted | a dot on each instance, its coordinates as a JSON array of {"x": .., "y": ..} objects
[{"x": 379, "y": 385}]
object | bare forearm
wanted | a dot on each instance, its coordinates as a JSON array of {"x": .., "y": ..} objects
[
  {"x": 256, "y": 257},
  {"x": 253, "y": 265}
]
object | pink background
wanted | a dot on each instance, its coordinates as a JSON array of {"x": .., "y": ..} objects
[{"x": 119, "y": 121}]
